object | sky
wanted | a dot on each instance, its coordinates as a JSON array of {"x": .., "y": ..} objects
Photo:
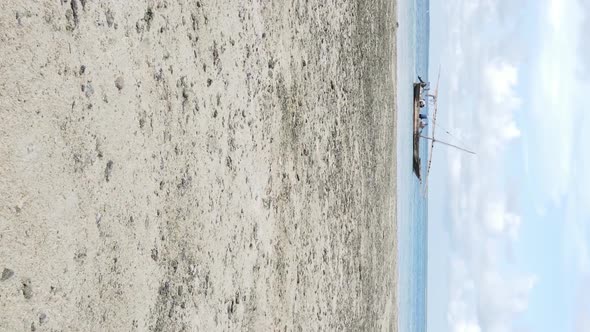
[{"x": 509, "y": 229}]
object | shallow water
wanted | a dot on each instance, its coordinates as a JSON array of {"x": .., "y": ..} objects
[{"x": 412, "y": 52}]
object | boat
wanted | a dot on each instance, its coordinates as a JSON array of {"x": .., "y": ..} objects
[{"x": 418, "y": 88}]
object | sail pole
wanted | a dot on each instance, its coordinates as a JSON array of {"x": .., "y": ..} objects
[
  {"x": 448, "y": 144},
  {"x": 435, "y": 101}
]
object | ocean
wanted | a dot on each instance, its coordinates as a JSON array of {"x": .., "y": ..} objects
[{"x": 412, "y": 202}]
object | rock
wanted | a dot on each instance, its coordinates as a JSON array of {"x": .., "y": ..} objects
[
  {"x": 6, "y": 274},
  {"x": 42, "y": 318},
  {"x": 27, "y": 289},
  {"x": 110, "y": 17},
  {"x": 119, "y": 83},
  {"x": 192, "y": 270},
  {"x": 108, "y": 170},
  {"x": 88, "y": 90}
]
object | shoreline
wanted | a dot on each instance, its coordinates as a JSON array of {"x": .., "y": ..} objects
[{"x": 220, "y": 166}]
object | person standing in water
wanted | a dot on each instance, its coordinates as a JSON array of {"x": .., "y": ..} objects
[
  {"x": 423, "y": 121},
  {"x": 423, "y": 125}
]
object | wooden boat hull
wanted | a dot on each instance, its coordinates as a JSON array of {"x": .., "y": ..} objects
[{"x": 416, "y": 158}]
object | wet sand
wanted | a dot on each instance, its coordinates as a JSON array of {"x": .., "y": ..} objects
[{"x": 197, "y": 165}]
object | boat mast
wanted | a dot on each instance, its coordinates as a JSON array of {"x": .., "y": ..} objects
[{"x": 434, "y": 97}]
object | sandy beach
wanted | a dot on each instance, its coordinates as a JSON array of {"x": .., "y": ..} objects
[{"x": 198, "y": 165}]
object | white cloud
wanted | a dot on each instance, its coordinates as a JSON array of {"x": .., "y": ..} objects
[
  {"x": 480, "y": 101},
  {"x": 502, "y": 299},
  {"x": 500, "y": 221},
  {"x": 556, "y": 13},
  {"x": 463, "y": 326},
  {"x": 483, "y": 223},
  {"x": 502, "y": 78},
  {"x": 462, "y": 313}
]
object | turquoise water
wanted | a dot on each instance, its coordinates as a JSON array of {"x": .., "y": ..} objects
[{"x": 412, "y": 204}]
